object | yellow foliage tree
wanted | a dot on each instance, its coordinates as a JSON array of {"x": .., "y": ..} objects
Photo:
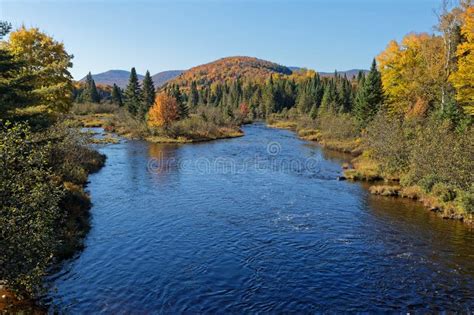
[
  {"x": 164, "y": 111},
  {"x": 463, "y": 78},
  {"x": 412, "y": 72},
  {"x": 47, "y": 62}
]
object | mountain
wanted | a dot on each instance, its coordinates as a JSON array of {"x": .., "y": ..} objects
[
  {"x": 162, "y": 77},
  {"x": 120, "y": 77},
  {"x": 348, "y": 73},
  {"x": 230, "y": 68}
]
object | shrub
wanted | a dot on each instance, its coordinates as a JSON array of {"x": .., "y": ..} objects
[
  {"x": 389, "y": 142},
  {"x": 465, "y": 200},
  {"x": 444, "y": 192},
  {"x": 337, "y": 126},
  {"x": 28, "y": 209},
  {"x": 93, "y": 108}
]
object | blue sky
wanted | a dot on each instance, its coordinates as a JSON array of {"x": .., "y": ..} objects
[{"x": 162, "y": 35}]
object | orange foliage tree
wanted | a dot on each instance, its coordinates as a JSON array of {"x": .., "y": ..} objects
[
  {"x": 164, "y": 111},
  {"x": 244, "y": 110}
]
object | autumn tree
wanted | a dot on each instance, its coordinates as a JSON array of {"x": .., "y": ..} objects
[
  {"x": 413, "y": 73},
  {"x": 133, "y": 93},
  {"x": 463, "y": 78},
  {"x": 116, "y": 95},
  {"x": 164, "y": 111},
  {"x": 369, "y": 97},
  {"x": 244, "y": 110},
  {"x": 47, "y": 62},
  {"x": 147, "y": 96}
]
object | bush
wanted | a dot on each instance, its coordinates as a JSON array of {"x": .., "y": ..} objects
[
  {"x": 440, "y": 154},
  {"x": 93, "y": 108},
  {"x": 40, "y": 215},
  {"x": 28, "y": 209},
  {"x": 389, "y": 143},
  {"x": 444, "y": 192},
  {"x": 337, "y": 126},
  {"x": 466, "y": 200}
]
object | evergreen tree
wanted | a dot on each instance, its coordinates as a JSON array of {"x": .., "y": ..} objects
[
  {"x": 183, "y": 110},
  {"x": 117, "y": 95},
  {"x": 90, "y": 93},
  {"x": 268, "y": 99},
  {"x": 369, "y": 97},
  {"x": 133, "y": 94},
  {"x": 193, "y": 98},
  {"x": 147, "y": 95},
  {"x": 14, "y": 87},
  {"x": 329, "y": 98},
  {"x": 305, "y": 101}
]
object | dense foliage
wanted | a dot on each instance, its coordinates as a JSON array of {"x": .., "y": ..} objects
[{"x": 43, "y": 207}]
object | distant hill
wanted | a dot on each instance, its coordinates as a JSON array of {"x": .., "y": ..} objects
[
  {"x": 162, "y": 77},
  {"x": 348, "y": 73},
  {"x": 216, "y": 71},
  {"x": 120, "y": 77},
  {"x": 230, "y": 68}
]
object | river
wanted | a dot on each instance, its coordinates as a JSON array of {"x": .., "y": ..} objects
[{"x": 257, "y": 224}]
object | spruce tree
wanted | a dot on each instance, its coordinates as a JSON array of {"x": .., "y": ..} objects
[
  {"x": 90, "y": 93},
  {"x": 329, "y": 97},
  {"x": 193, "y": 95},
  {"x": 132, "y": 93},
  {"x": 116, "y": 95},
  {"x": 183, "y": 110},
  {"x": 147, "y": 95},
  {"x": 369, "y": 97}
]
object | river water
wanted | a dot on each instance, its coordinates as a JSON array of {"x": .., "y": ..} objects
[{"x": 257, "y": 224}]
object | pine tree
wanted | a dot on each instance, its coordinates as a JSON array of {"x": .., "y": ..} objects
[
  {"x": 193, "y": 98},
  {"x": 90, "y": 93},
  {"x": 329, "y": 97},
  {"x": 116, "y": 95},
  {"x": 369, "y": 97},
  {"x": 133, "y": 94},
  {"x": 268, "y": 98},
  {"x": 147, "y": 95},
  {"x": 183, "y": 110}
]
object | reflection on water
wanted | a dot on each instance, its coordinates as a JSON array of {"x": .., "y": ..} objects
[{"x": 178, "y": 238}]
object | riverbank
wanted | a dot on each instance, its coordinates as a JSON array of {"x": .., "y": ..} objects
[{"x": 440, "y": 200}]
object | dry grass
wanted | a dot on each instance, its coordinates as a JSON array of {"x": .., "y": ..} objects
[
  {"x": 364, "y": 169},
  {"x": 282, "y": 124},
  {"x": 385, "y": 190}
]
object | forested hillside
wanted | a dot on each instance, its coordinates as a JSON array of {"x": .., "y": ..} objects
[{"x": 228, "y": 69}]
